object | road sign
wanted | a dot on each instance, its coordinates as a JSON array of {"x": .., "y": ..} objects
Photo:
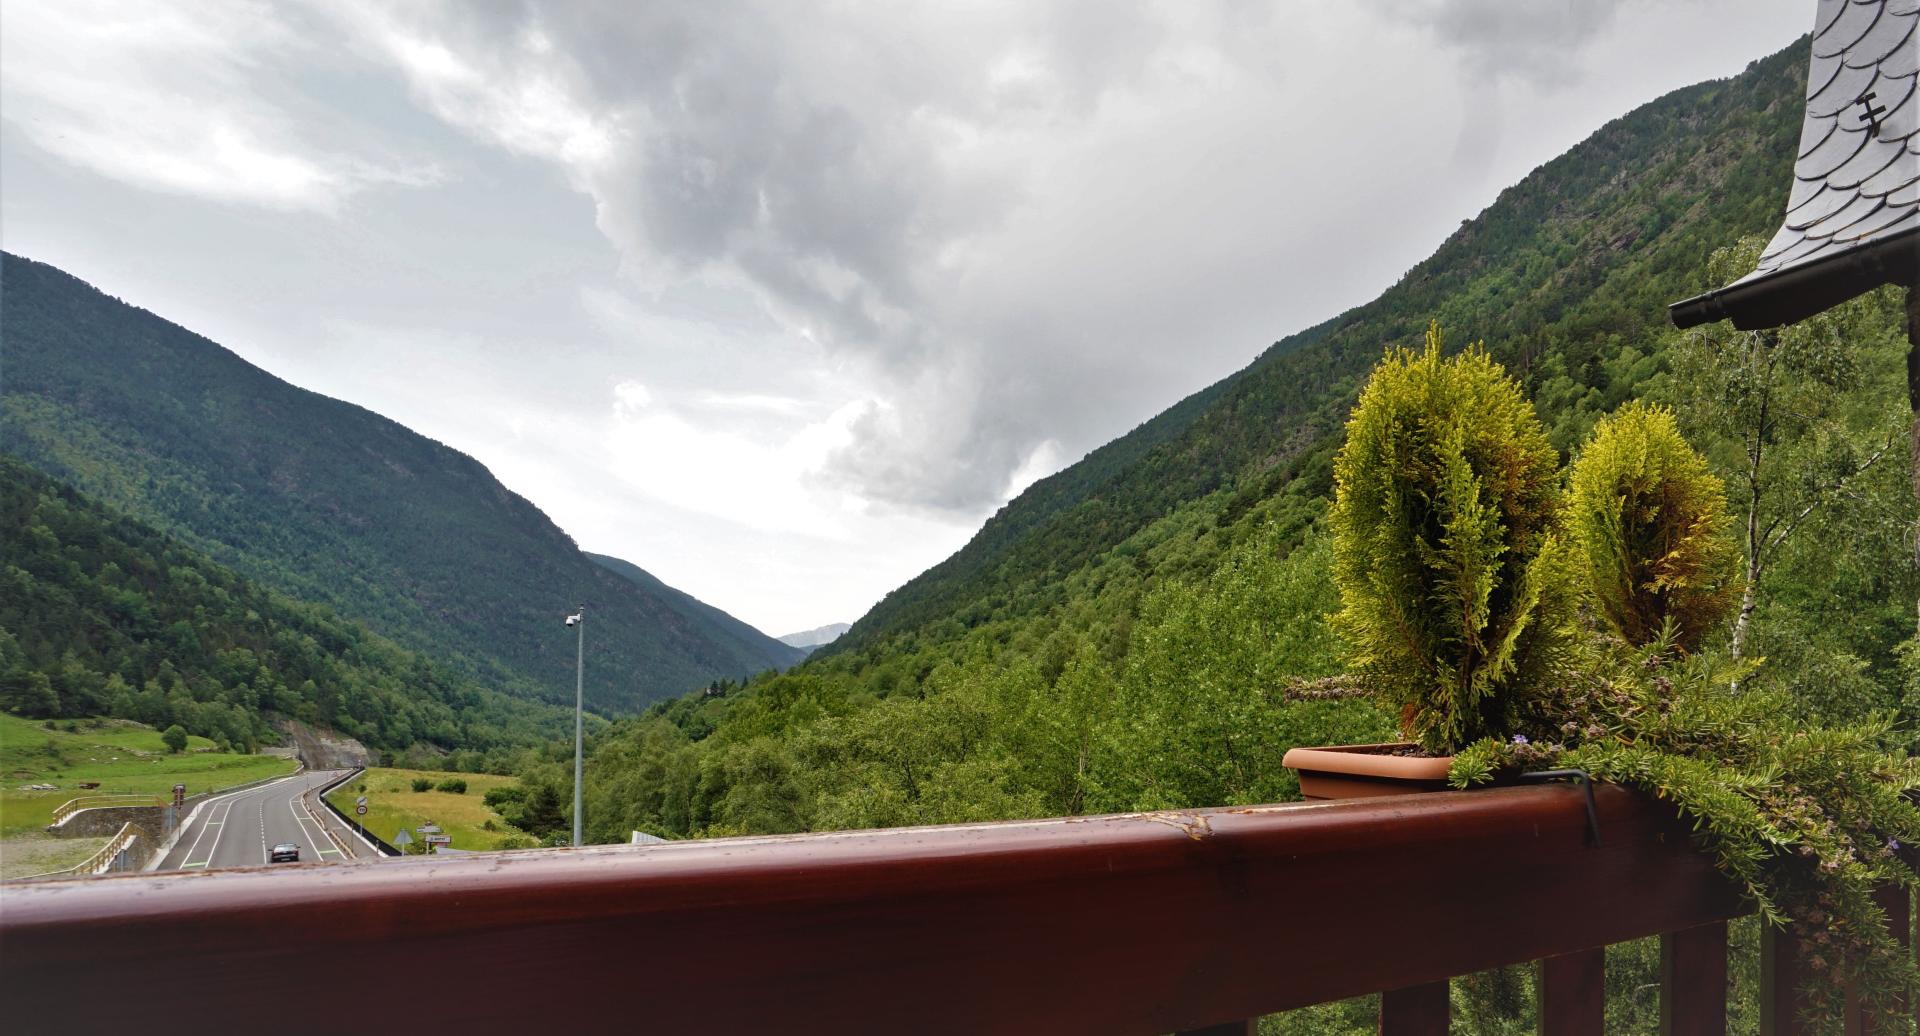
[
  {"x": 402, "y": 838},
  {"x": 361, "y": 801},
  {"x": 361, "y": 809}
]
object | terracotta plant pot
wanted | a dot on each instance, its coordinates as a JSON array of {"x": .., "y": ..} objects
[{"x": 1365, "y": 771}]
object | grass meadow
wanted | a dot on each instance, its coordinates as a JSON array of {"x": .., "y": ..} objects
[
  {"x": 392, "y": 804},
  {"x": 119, "y": 755}
]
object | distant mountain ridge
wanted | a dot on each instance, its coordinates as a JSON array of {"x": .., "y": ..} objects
[
  {"x": 718, "y": 625},
  {"x": 817, "y": 636},
  {"x": 334, "y": 504}
]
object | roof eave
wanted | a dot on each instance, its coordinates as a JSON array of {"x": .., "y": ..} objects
[{"x": 1800, "y": 291}]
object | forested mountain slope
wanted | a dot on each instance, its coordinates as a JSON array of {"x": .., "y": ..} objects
[
  {"x": 1125, "y": 634},
  {"x": 101, "y": 615},
  {"x": 713, "y": 624},
  {"x": 1578, "y": 258},
  {"x": 334, "y": 504}
]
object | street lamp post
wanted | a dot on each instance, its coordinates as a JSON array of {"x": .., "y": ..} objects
[{"x": 578, "y": 621}]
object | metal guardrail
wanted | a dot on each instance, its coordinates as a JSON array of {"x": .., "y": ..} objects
[{"x": 380, "y": 844}]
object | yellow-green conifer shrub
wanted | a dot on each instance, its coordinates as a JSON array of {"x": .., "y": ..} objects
[
  {"x": 1445, "y": 514},
  {"x": 1650, "y": 523}
]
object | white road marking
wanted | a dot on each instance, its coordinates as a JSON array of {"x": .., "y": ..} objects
[
  {"x": 224, "y": 817},
  {"x": 221, "y": 824},
  {"x": 305, "y": 830}
]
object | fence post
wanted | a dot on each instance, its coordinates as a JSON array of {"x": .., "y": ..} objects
[
  {"x": 1423, "y": 1010},
  {"x": 1693, "y": 981}
]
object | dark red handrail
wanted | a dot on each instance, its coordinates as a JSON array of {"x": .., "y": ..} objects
[{"x": 1140, "y": 923}]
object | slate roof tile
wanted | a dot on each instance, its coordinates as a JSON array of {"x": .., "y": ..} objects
[
  {"x": 1882, "y": 41},
  {"x": 1856, "y": 174},
  {"x": 1853, "y": 24}
]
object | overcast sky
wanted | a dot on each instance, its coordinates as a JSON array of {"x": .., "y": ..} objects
[{"x": 780, "y": 301}]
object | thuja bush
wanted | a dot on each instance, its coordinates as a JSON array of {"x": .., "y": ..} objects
[
  {"x": 1649, "y": 522},
  {"x": 1448, "y": 554},
  {"x": 1444, "y": 521},
  {"x": 1808, "y": 819}
]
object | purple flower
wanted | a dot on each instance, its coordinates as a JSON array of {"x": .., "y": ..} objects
[
  {"x": 1894, "y": 844},
  {"x": 1519, "y": 739}
]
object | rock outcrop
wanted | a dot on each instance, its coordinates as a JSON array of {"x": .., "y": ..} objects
[{"x": 324, "y": 749}]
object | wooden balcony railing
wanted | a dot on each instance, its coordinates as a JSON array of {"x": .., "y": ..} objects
[{"x": 1143, "y": 923}]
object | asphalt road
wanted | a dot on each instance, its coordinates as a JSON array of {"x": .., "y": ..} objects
[{"x": 237, "y": 830}]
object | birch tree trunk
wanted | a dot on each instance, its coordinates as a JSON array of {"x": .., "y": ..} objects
[
  {"x": 1913, "y": 404},
  {"x": 1755, "y": 540}
]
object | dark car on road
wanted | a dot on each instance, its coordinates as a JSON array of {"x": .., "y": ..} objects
[{"x": 285, "y": 852}]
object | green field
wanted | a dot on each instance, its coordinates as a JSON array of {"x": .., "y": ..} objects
[
  {"x": 36, "y": 852},
  {"x": 120, "y": 755},
  {"x": 393, "y": 804}
]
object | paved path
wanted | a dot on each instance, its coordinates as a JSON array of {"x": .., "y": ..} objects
[{"x": 237, "y": 830}]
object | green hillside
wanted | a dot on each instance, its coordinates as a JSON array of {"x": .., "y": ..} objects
[
  {"x": 1134, "y": 632},
  {"x": 118, "y": 756},
  {"x": 333, "y": 504},
  {"x": 101, "y": 615},
  {"x": 713, "y": 624},
  {"x": 1559, "y": 276}
]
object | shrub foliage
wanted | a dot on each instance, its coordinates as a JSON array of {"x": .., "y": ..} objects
[
  {"x": 1650, "y": 521},
  {"x": 1445, "y": 511},
  {"x": 1809, "y": 819}
]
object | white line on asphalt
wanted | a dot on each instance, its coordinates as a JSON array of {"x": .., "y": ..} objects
[
  {"x": 305, "y": 830},
  {"x": 221, "y": 823},
  {"x": 358, "y": 833},
  {"x": 224, "y": 817}
]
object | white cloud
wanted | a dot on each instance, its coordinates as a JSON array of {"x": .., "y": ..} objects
[
  {"x": 630, "y": 397},
  {"x": 508, "y": 93},
  {"x": 715, "y": 469},
  {"x": 170, "y": 98}
]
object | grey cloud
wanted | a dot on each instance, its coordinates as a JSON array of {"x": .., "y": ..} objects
[
  {"x": 1535, "y": 41},
  {"x": 807, "y": 158},
  {"x": 1012, "y": 197}
]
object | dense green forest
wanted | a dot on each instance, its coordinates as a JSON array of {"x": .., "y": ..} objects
[
  {"x": 329, "y": 503},
  {"x": 101, "y": 615},
  {"x": 1137, "y": 631}
]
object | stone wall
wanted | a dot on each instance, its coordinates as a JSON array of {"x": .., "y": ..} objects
[{"x": 103, "y": 821}]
